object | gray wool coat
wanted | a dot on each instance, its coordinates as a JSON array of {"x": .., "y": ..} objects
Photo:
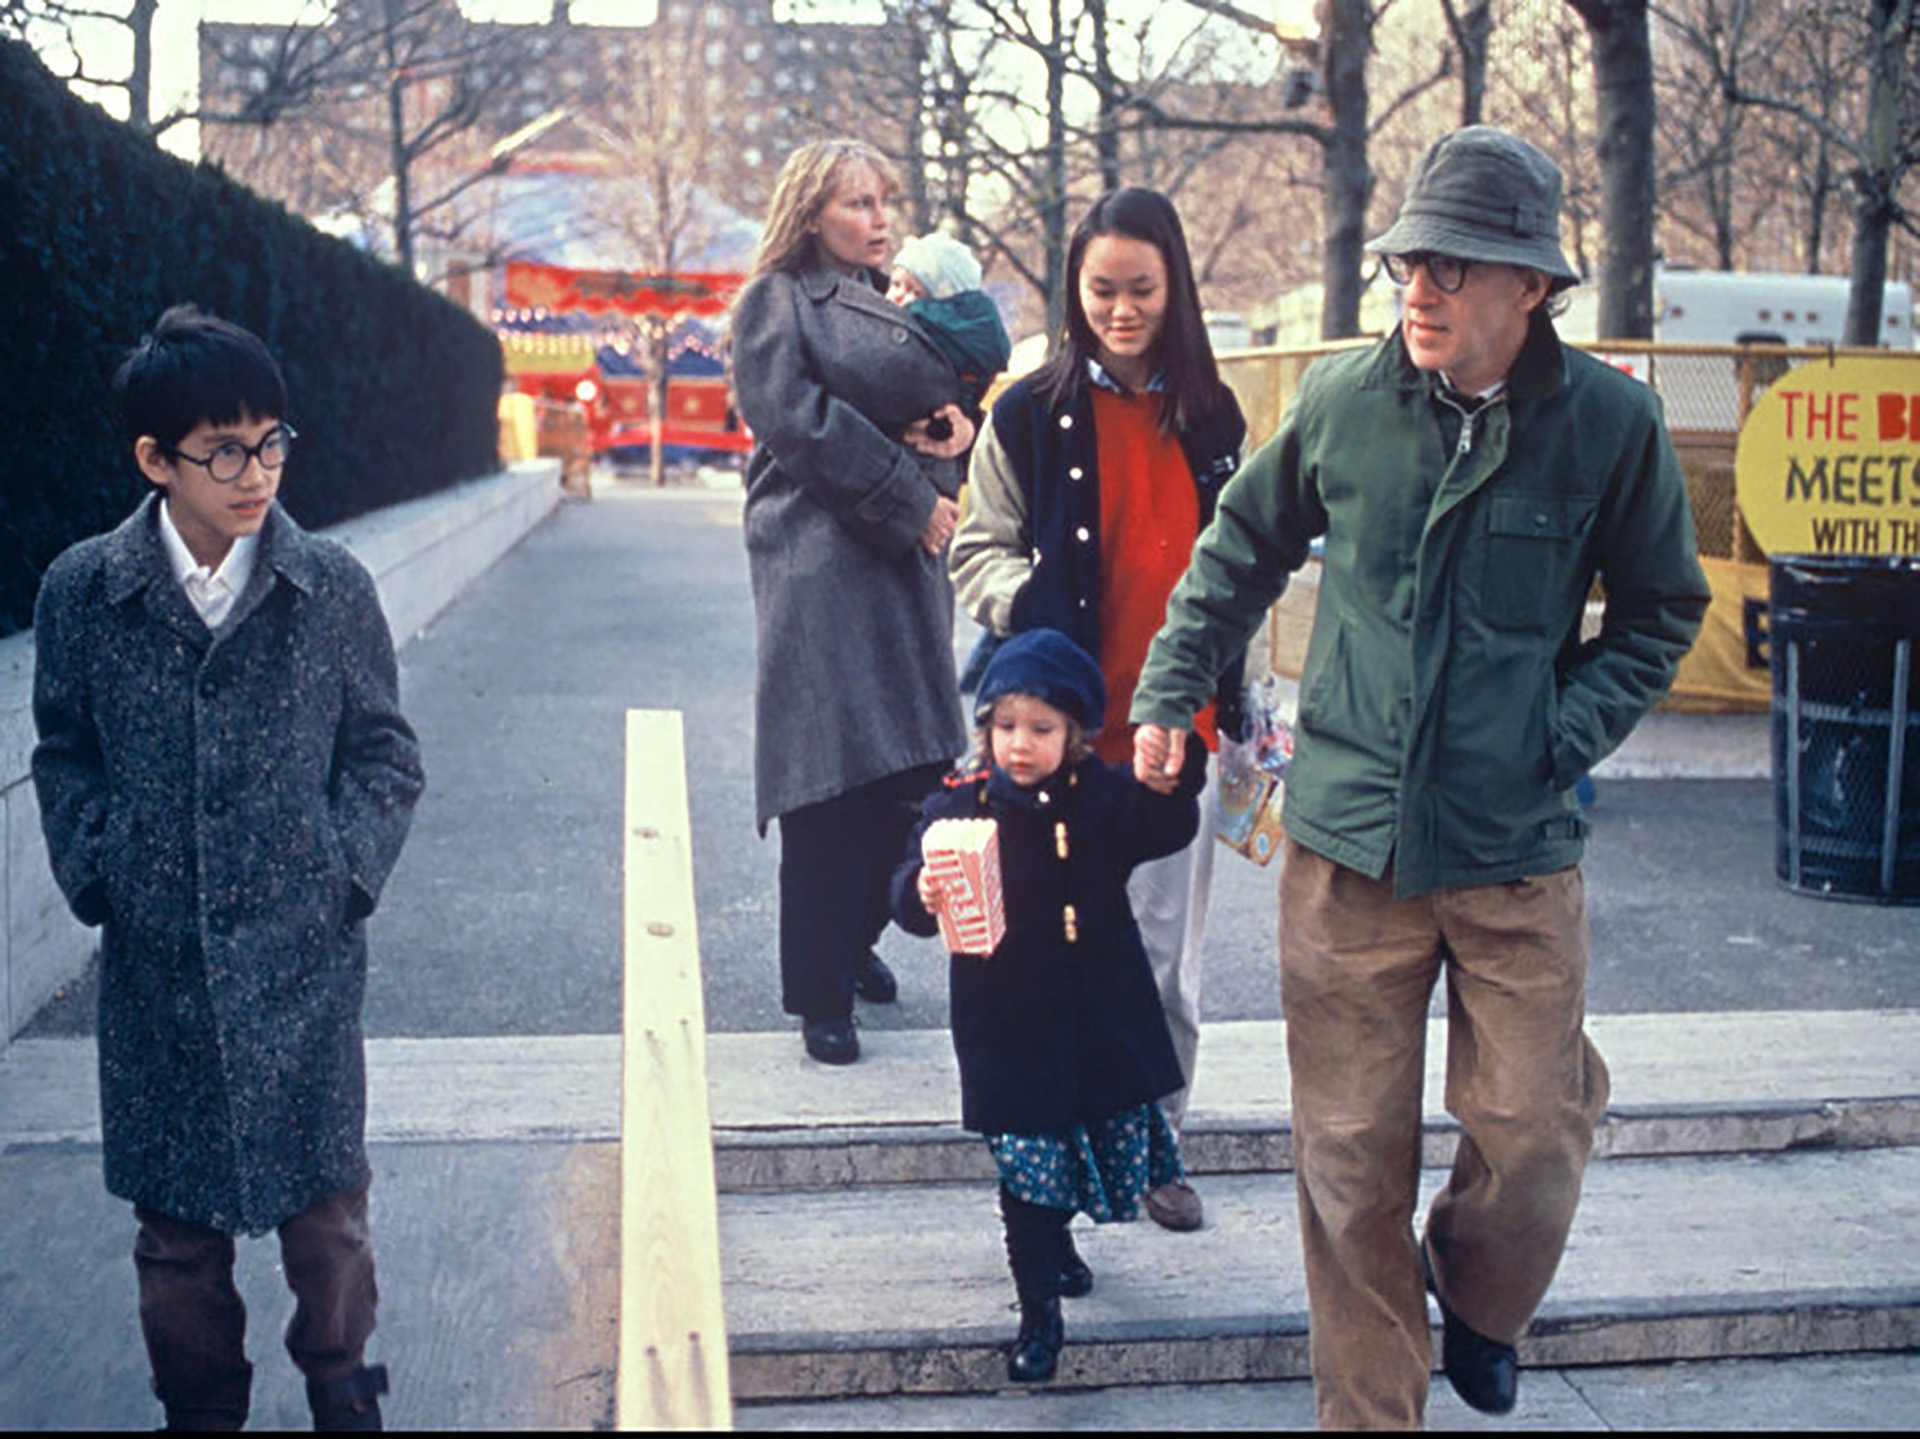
[
  {"x": 227, "y": 805},
  {"x": 855, "y": 618}
]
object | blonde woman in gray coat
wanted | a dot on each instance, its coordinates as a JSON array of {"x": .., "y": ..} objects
[{"x": 850, "y": 504}]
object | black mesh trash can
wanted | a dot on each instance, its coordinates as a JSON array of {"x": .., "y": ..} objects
[{"x": 1846, "y": 725}]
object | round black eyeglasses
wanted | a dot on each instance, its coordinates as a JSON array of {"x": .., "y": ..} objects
[
  {"x": 228, "y": 462},
  {"x": 1447, "y": 272}
]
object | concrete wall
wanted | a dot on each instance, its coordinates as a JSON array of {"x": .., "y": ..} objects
[{"x": 422, "y": 555}]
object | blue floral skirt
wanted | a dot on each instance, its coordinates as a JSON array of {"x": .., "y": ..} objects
[{"x": 1101, "y": 1169}]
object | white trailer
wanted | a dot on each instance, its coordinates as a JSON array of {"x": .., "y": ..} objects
[{"x": 1718, "y": 307}]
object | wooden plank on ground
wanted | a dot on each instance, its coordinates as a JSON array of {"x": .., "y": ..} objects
[{"x": 673, "y": 1339}]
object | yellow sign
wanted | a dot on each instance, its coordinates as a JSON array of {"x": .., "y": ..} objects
[{"x": 1829, "y": 460}]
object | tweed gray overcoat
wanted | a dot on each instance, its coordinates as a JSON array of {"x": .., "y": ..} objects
[
  {"x": 855, "y": 618},
  {"x": 227, "y": 805}
]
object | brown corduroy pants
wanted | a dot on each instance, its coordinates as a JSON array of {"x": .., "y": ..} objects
[
  {"x": 1528, "y": 1088},
  {"x": 195, "y": 1324}
]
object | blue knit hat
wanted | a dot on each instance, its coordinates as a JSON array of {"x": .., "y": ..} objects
[
  {"x": 941, "y": 263},
  {"x": 1048, "y": 666}
]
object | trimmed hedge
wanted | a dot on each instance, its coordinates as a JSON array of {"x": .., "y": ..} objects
[{"x": 393, "y": 388}]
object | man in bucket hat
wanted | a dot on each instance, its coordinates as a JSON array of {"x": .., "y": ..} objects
[{"x": 1471, "y": 477}]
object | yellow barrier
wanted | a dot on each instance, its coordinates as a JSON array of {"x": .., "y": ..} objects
[{"x": 672, "y": 1352}]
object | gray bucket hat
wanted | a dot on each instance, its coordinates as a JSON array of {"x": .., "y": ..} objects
[{"x": 1482, "y": 194}]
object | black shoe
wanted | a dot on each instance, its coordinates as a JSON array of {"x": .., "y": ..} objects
[
  {"x": 1036, "y": 1352},
  {"x": 350, "y": 1402},
  {"x": 1484, "y": 1372},
  {"x": 1076, "y": 1280},
  {"x": 831, "y": 1041},
  {"x": 873, "y": 981}
]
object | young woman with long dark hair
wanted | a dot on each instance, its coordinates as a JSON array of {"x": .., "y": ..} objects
[{"x": 1090, "y": 482}]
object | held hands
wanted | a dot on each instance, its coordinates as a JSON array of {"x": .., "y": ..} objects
[
  {"x": 940, "y": 525},
  {"x": 1158, "y": 756},
  {"x": 958, "y": 433}
]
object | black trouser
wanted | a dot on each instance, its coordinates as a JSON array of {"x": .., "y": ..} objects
[
  {"x": 1038, "y": 1245},
  {"x": 836, "y": 859},
  {"x": 195, "y": 1324}
]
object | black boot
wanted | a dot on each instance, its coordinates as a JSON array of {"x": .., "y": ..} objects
[
  {"x": 1036, "y": 1353},
  {"x": 1038, "y": 1250},
  {"x": 1076, "y": 1279},
  {"x": 350, "y": 1402}
]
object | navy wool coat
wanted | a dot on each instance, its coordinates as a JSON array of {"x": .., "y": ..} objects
[
  {"x": 854, "y": 619},
  {"x": 1049, "y": 1032},
  {"x": 227, "y": 805}
]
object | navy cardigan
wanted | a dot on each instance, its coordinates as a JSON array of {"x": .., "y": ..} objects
[{"x": 1063, "y": 514}]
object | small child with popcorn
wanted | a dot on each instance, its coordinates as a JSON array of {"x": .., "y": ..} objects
[{"x": 1060, "y": 1033}]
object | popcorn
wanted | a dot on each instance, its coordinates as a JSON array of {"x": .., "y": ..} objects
[{"x": 964, "y": 855}]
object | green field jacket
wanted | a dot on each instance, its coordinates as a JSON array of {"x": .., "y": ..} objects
[{"x": 1448, "y": 704}]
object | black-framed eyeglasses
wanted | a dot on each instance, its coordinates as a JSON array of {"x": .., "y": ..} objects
[
  {"x": 228, "y": 462},
  {"x": 1448, "y": 272}
]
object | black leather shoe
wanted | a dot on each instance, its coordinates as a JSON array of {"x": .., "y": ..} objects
[
  {"x": 873, "y": 981},
  {"x": 1036, "y": 1353},
  {"x": 1076, "y": 1280},
  {"x": 1484, "y": 1372},
  {"x": 351, "y": 1402},
  {"x": 831, "y": 1041}
]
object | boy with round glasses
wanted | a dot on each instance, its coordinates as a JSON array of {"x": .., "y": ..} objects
[
  {"x": 1471, "y": 477},
  {"x": 225, "y": 781}
]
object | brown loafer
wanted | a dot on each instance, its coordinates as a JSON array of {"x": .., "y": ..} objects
[{"x": 1175, "y": 1206}]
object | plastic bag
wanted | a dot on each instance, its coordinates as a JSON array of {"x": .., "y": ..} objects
[{"x": 1253, "y": 776}]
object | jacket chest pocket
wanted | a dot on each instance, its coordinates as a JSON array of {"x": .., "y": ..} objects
[{"x": 1533, "y": 543}]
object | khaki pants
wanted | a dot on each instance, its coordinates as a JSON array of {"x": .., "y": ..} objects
[
  {"x": 1169, "y": 897},
  {"x": 195, "y": 1324},
  {"x": 1357, "y": 970}
]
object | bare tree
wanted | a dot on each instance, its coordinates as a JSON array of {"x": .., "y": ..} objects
[
  {"x": 660, "y": 144},
  {"x": 1345, "y": 49},
  {"x": 394, "y": 97},
  {"x": 1471, "y": 25},
  {"x": 1623, "y": 77},
  {"x": 58, "y": 31},
  {"x": 1881, "y": 136}
]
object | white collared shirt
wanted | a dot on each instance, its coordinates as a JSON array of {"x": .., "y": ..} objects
[{"x": 211, "y": 592}]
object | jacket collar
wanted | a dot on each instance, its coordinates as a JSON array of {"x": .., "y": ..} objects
[
  {"x": 818, "y": 280},
  {"x": 1047, "y": 796},
  {"x": 1540, "y": 369},
  {"x": 135, "y": 559}
]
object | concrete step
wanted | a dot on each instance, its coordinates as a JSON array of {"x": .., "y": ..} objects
[
  {"x": 1827, "y": 1393},
  {"x": 1682, "y": 1084},
  {"x": 902, "y": 1289}
]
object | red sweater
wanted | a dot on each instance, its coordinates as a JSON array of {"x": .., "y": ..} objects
[{"x": 1149, "y": 519}]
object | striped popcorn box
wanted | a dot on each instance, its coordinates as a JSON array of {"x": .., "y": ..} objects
[{"x": 964, "y": 855}]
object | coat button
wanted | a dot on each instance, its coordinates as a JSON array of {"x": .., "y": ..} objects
[
  {"x": 208, "y": 689},
  {"x": 1082, "y": 535},
  {"x": 216, "y": 806},
  {"x": 899, "y": 336},
  {"x": 1076, "y": 473},
  {"x": 1066, "y": 422},
  {"x": 1539, "y": 522}
]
